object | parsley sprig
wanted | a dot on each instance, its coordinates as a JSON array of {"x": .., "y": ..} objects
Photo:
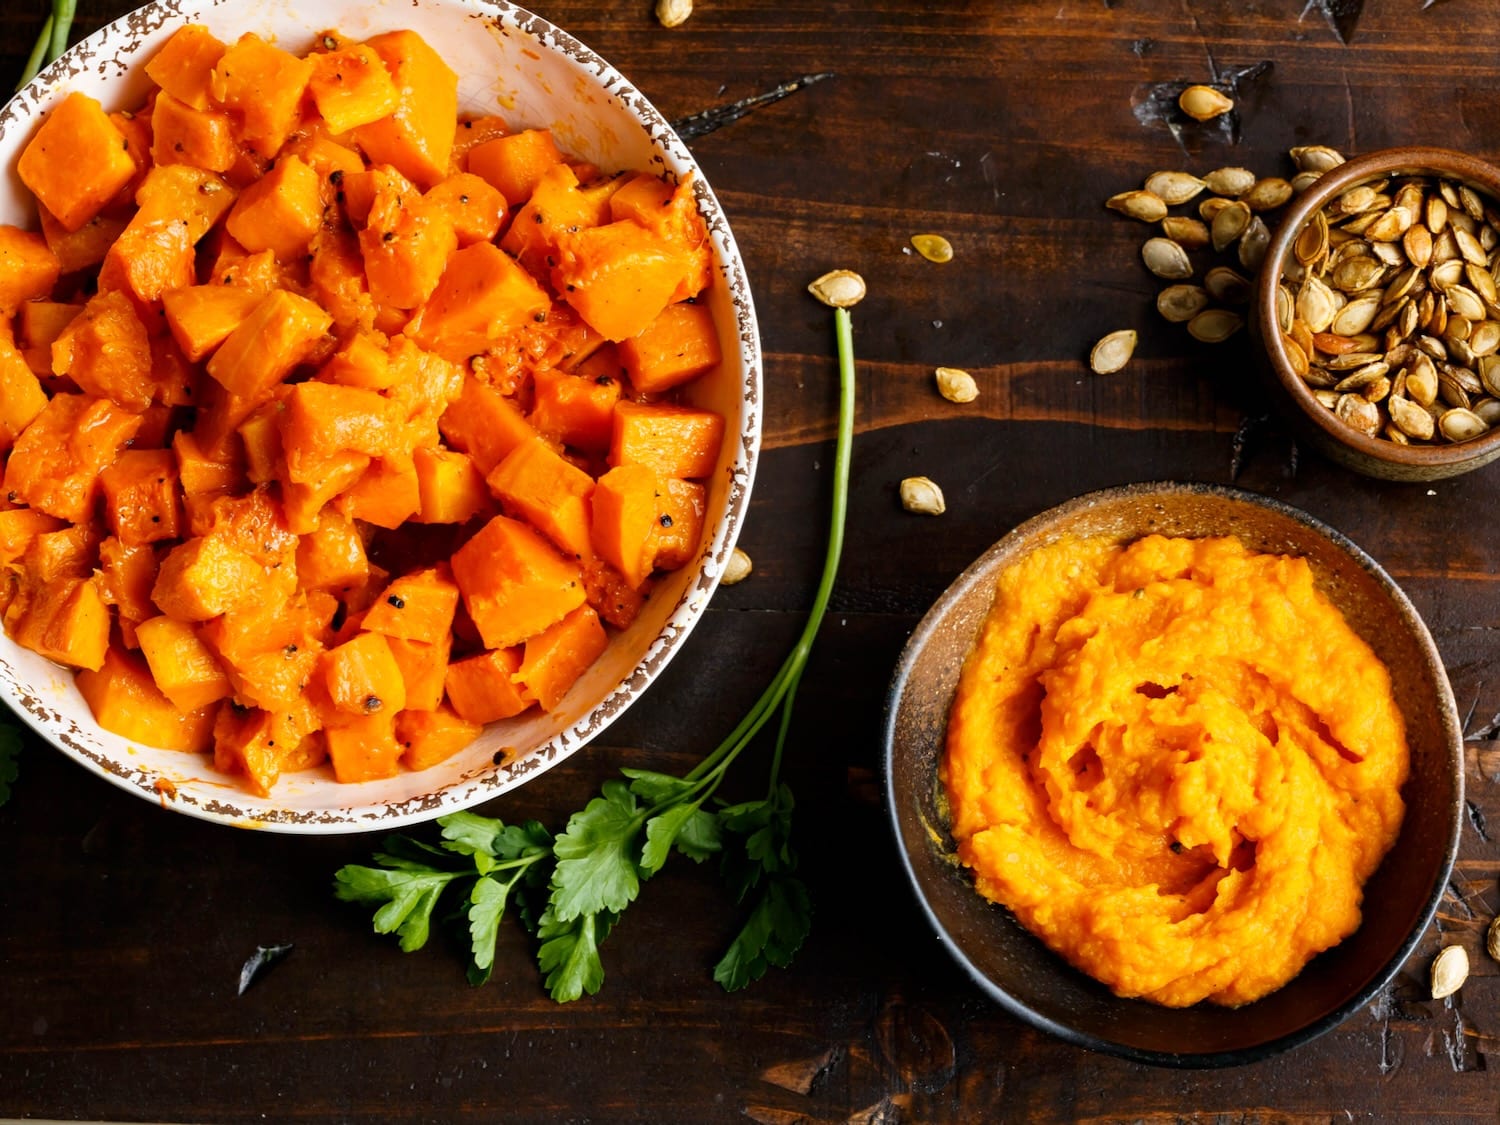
[
  {"x": 571, "y": 890},
  {"x": 52, "y": 41}
]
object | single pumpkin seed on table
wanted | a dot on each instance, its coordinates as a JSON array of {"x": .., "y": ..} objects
[
  {"x": 1492, "y": 939},
  {"x": 737, "y": 569},
  {"x": 956, "y": 385},
  {"x": 1112, "y": 352},
  {"x": 1204, "y": 103},
  {"x": 1268, "y": 193},
  {"x": 1213, "y": 326},
  {"x": 1146, "y": 206},
  {"x": 1450, "y": 969},
  {"x": 1254, "y": 243},
  {"x": 933, "y": 247},
  {"x": 1166, "y": 259},
  {"x": 840, "y": 289},
  {"x": 1227, "y": 285},
  {"x": 922, "y": 496},
  {"x": 1229, "y": 224}
]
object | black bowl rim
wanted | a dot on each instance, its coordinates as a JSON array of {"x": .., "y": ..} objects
[{"x": 1183, "y": 1060}]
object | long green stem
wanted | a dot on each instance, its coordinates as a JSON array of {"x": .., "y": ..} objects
[
  {"x": 63, "y": 12},
  {"x": 38, "y": 54}
]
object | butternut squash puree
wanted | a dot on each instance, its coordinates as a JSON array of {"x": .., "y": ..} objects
[{"x": 1176, "y": 763}]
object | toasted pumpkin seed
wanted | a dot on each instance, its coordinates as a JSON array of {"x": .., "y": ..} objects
[
  {"x": 1174, "y": 188},
  {"x": 1268, "y": 194},
  {"x": 922, "y": 496},
  {"x": 955, "y": 384},
  {"x": 1232, "y": 182},
  {"x": 1180, "y": 303},
  {"x": 1187, "y": 232},
  {"x": 1167, "y": 259},
  {"x": 933, "y": 247},
  {"x": 1112, "y": 352},
  {"x": 1213, "y": 326},
  {"x": 840, "y": 289},
  {"x": 1204, "y": 103},
  {"x": 1460, "y": 424},
  {"x": 737, "y": 569},
  {"x": 1316, "y": 159},
  {"x": 1227, "y": 286},
  {"x": 1146, "y": 206}
]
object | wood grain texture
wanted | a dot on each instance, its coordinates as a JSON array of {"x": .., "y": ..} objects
[{"x": 1003, "y": 126}]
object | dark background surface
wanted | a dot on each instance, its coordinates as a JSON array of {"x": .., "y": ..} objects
[{"x": 1003, "y": 126}]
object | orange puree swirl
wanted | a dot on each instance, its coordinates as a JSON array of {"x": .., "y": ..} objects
[{"x": 1175, "y": 762}]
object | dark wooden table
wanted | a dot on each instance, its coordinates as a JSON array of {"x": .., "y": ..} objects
[{"x": 1003, "y": 126}]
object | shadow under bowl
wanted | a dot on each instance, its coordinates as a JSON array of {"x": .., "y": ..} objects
[
  {"x": 1313, "y": 422},
  {"x": 1013, "y": 967}
]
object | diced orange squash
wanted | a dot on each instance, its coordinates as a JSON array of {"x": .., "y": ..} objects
[
  {"x": 514, "y": 583},
  {"x": 205, "y": 577},
  {"x": 254, "y": 523},
  {"x": 268, "y": 650},
  {"x": 28, "y": 267},
  {"x": 125, "y": 701},
  {"x": 260, "y": 434},
  {"x": 482, "y": 295},
  {"x": 147, "y": 259},
  {"x": 472, "y": 205},
  {"x": 386, "y": 494},
  {"x": 336, "y": 275},
  {"x": 184, "y": 65},
  {"x": 577, "y": 410},
  {"x": 21, "y": 394},
  {"x": 85, "y": 247},
  {"x": 362, "y": 677},
  {"x": 40, "y": 322},
  {"x": 126, "y": 574},
  {"x": 515, "y": 163},
  {"x": 424, "y": 669},
  {"x": 136, "y": 129},
  {"x": 180, "y": 195},
  {"x": 201, "y": 317},
  {"x": 362, "y": 362},
  {"x": 535, "y": 483},
  {"x": 185, "y": 669},
  {"x": 676, "y": 441},
  {"x": 105, "y": 350},
  {"x": 482, "y": 688},
  {"x": 237, "y": 267},
  {"x": 70, "y": 552},
  {"x": 56, "y": 461},
  {"x": 618, "y": 276},
  {"x": 331, "y": 160},
  {"x": 405, "y": 247},
  {"x": 66, "y": 621},
  {"x": 262, "y": 86},
  {"x": 332, "y": 556},
  {"x": 185, "y": 134},
  {"x": 624, "y": 514},
  {"x": 262, "y": 745},
  {"x": 642, "y": 197},
  {"x": 280, "y": 212},
  {"x": 432, "y": 736},
  {"x": 450, "y": 487},
  {"x": 19, "y": 526},
  {"x": 554, "y": 206},
  {"x": 552, "y": 661},
  {"x": 679, "y": 523},
  {"x": 304, "y": 503},
  {"x": 484, "y": 424},
  {"x": 418, "y": 606},
  {"x": 417, "y": 137},
  {"x": 76, "y": 162},
  {"x": 282, "y": 331},
  {"x": 364, "y": 748},
  {"x": 323, "y": 421},
  {"x": 614, "y": 600},
  {"x": 204, "y": 477},
  {"x": 474, "y": 131},
  {"x": 675, "y": 348},
  {"x": 352, "y": 87},
  {"x": 140, "y": 496}
]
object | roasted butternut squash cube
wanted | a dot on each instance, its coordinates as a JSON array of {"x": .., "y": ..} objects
[
  {"x": 515, "y": 163},
  {"x": 85, "y": 247},
  {"x": 405, "y": 247},
  {"x": 352, "y": 87},
  {"x": 482, "y": 295},
  {"x": 484, "y": 424},
  {"x": 552, "y": 661},
  {"x": 449, "y": 485},
  {"x": 201, "y": 317},
  {"x": 206, "y": 577},
  {"x": 424, "y": 669},
  {"x": 679, "y": 523},
  {"x": 106, "y": 351},
  {"x": 618, "y": 276},
  {"x": 141, "y": 496},
  {"x": 364, "y": 748},
  {"x": 282, "y": 331},
  {"x": 514, "y": 583},
  {"x": 482, "y": 688},
  {"x": 473, "y": 206},
  {"x": 362, "y": 677},
  {"x": 184, "y": 65},
  {"x": 77, "y": 161},
  {"x": 625, "y": 512},
  {"x": 126, "y": 701},
  {"x": 336, "y": 274},
  {"x": 28, "y": 267},
  {"x": 126, "y": 575},
  {"x": 417, "y": 137},
  {"x": 21, "y": 394},
  {"x": 676, "y": 441},
  {"x": 433, "y": 736},
  {"x": 56, "y": 461},
  {"x": 185, "y": 134},
  {"x": 244, "y": 742},
  {"x": 362, "y": 362},
  {"x": 269, "y": 650},
  {"x": 260, "y": 434},
  {"x": 556, "y": 205},
  {"x": 304, "y": 503},
  {"x": 417, "y": 606},
  {"x": 675, "y": 348},
  {"x": 280, "y": 212},
  {"x": 386, "y": 494},
  {"x": 332, "y": 556},
  {"x": 262, "y": 86},
  {"x": 535, "y": 483},
  {"x": 66, "y": 621},
  {"x": 19, "y": 526},
  {"x": 575, "y": 409},
  {"x": 184, "y": 669}
]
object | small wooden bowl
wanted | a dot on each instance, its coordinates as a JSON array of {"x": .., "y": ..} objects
[
  {"x": 1014, "y": 968},
  {"x": 1313, "y": 422}
]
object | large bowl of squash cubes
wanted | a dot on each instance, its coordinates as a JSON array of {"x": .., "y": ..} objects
[{"x": 379, "y": 403}]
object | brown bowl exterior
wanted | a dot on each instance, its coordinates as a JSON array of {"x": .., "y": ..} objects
[
  {"x": 1313, "y": 422},
  {"x": 1012, "y": 966}
]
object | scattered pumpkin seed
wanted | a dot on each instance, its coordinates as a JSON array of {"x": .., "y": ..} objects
[
  {"x": 1449, "y": 971},
  {"x": 840, "y": 289},
  {"x": 1112, "y": 352},
  {"x": 1492, "y": 939},
  {"x": 1316, "y": 159},
  {"x": 673, "y": 13},
  {"x": 1232, "y": 182},
  {"x": 737, "y": 569},
  {"x": 923, "y": 496},
  {"x": 956, "y": 385},
  {"x": 1204, "y": 103},
  {"x": 1214, "y": 326},
  {"x": 1173, "y": 188},
  {"x": 933, "y": 247},
  {"x": 1229, "y": 224},
  {"x": 1227, "y": 286},
  {"x": 1187, "y": 232},
  {"x": 1268, "y": 194},
  {"x": 1167, "y": 259},
  {"x": 1146, "y": 206},
  {"x": 1180, "y": 303}
]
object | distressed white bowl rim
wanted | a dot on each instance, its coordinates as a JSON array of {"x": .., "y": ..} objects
[{"x": 511, "y": 752}]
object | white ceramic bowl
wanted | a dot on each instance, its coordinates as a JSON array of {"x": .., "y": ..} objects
[{"x": 510, "y": 62}]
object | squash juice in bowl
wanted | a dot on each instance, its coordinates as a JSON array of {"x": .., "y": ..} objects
[
  {"x": 338, "y": 345},
  {"x": 1175, "y": 762}
]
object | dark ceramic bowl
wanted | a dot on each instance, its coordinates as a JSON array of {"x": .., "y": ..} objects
[
  {"x": 1313, "y": 422},
  {"x": 1011, "y": 966}
]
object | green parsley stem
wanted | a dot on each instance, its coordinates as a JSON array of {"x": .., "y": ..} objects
[
  {"x": 63, "y": 12},
  {"x": 38, "y": 54}
]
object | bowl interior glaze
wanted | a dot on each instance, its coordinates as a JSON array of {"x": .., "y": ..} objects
[
  {"x": 516, "y": 64},
  {"x": 1014, "y": 968}
]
